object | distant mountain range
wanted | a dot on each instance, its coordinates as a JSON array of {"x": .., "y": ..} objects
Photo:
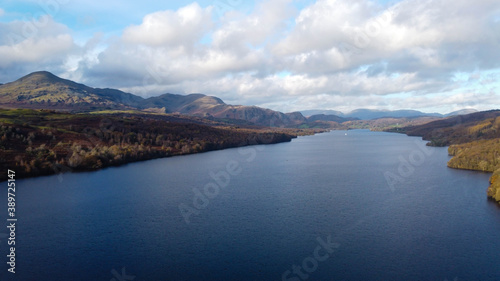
[
  {"x": 332, "y": 118},
  {"x": 44, "y": 90},
  {"x": 369, "y": 114}
]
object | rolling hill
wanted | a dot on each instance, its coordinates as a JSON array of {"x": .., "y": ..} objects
[
  {"x": 458, "y": 129},
  {"x": 44, "y": 90},
  {"x": 371, "y": 114}
]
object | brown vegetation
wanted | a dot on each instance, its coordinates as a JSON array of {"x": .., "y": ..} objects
[
  {"x": 38, "y": 142},
  {"x": 494, "y": 189},
  {"x": 459, "y": 129},
  {"x": 483, "y": 155}
]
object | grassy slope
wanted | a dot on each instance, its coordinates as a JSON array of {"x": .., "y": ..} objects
[
  {"x": 42, "y": 89},
  {"x": 388, "y": 123},
  {"x": 459, "y": 129}
]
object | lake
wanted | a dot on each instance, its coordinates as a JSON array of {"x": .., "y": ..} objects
[{"x": 362, "y": 206}]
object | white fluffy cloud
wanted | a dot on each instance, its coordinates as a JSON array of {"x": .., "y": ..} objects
[
  {"x": 163, "y": 51},
  {"x": 35, "y": 50},
  {"x": 183, "y": 27},
  {"x": 427, "y": 34},
  {"x": 335, "y": 54},
  {"x": 32, "y": 45}
]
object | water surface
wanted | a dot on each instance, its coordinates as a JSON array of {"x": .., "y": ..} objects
[{"x": 432, "y": 223}]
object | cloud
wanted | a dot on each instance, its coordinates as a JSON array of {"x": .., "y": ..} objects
[
  {"x": 32, "y": 45},
  {"x": 240, "y": 31},
  {"x": 35, "y": 50},
  {"x": 345, "y": 50},
  {"x": 183, "y": 27},
  {"x": 2, "y": 12},
  {"x": 163, "y": 50},
  {"x": 342, "y": 35},
  {"x": 322, "y": 25},
  {"x": 335, "y": 54}
]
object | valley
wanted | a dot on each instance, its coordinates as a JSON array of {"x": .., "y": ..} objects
[{"x": 52, "y": 125}]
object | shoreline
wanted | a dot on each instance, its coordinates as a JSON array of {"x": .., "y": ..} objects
[
  {"x": 40, "y": 143},
  {"x": 261, "y": 139},
  {"x": 455, "y": 150},
  {"x": 57, "y": 169}
]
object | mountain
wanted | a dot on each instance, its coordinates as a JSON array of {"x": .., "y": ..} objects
[
  {"x": 461, "y": 112},
  {"x": 208, "y": 106},
  {"x": 458, "y": 129},
  {"x": 309, "y": 113},
  {"x": 44, "y": 90},
  {"x": 368, "y": 114},
  {"x": 189, "y": 105},
  {"x": 334, "y": 118}
]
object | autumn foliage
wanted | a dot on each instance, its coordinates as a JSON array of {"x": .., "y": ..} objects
[{"x": 38, "y": 142}]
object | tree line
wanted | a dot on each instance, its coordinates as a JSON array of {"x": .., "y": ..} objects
[{"x": 46, "y": 142}]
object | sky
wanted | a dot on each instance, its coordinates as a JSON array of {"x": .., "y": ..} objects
[{"x": 428, "y": 55}]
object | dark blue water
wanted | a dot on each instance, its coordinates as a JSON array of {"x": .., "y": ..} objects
[{"x": 318, "y": 208}]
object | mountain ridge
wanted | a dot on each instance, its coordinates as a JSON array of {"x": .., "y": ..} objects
[
  {"x": 44, "y": 90},
  {"x": 457, "y": 129},
  {"x": 371, "y": 114}
]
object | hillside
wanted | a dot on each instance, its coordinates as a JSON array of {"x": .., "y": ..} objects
[
  {"x": 43, "y": 90},
  {"x": 40, "y": 142},
  {"x": 389, "y": 123},
  {"x": 458, "y": 129},
  {"x": 190, "y": 104},
  {"x": 461, "y": 112},
  {"x": 482, "y": 155},
  {"x": 494, "y": 189}
]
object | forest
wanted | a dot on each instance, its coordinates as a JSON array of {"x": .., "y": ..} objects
[
  {"x": 457, "y": 129},
  {"x": 41, "y": 142},
  {"x": 482, "y": 155}
]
